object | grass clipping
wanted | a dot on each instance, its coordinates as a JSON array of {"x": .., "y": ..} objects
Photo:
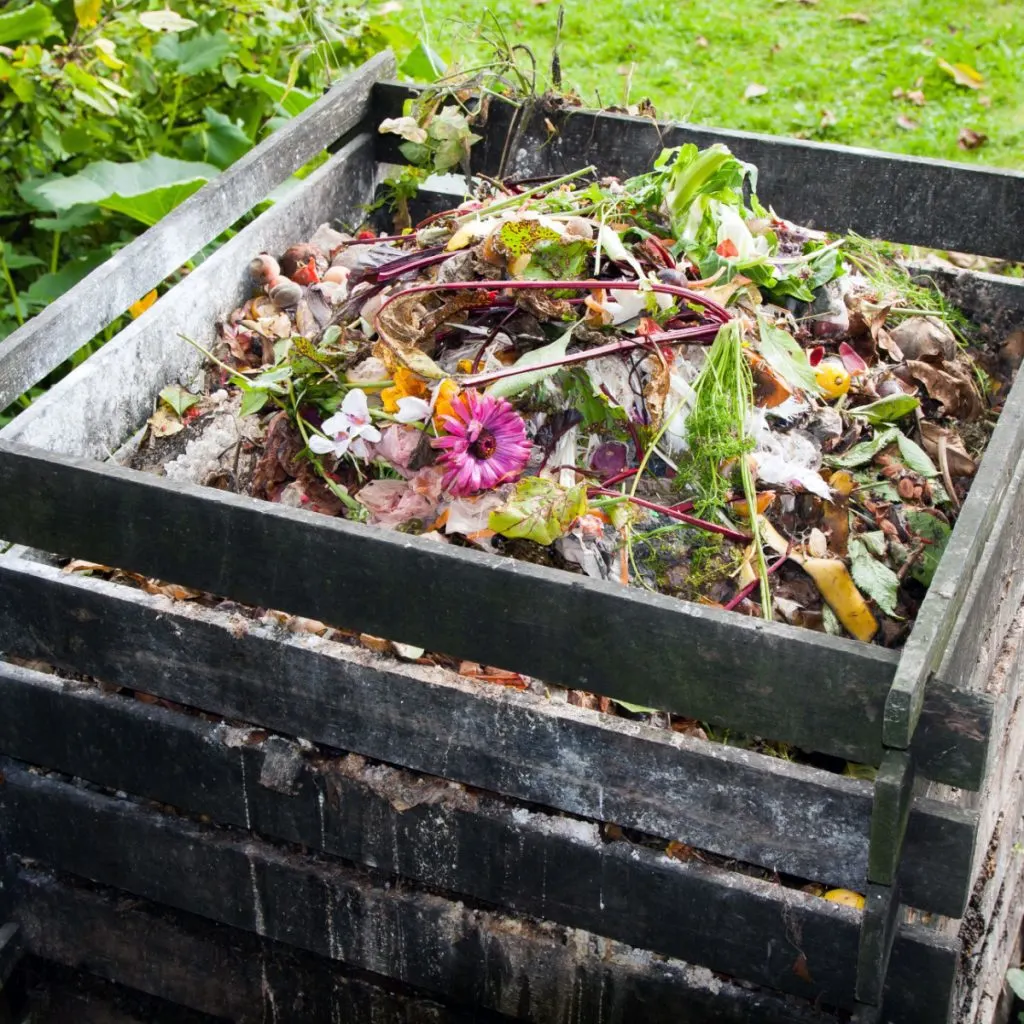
[{"x": 718, "y": 439}]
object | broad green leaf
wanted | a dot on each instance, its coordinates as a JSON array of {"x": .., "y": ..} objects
[
  {"x": 196, "y": 54},
  {"x": 165, "y": 21},
  {"x": 864, "y": 452},
  {"x": 32, "y": 22},
  {"x": 293, "y": 101},
  {"x": 76, "y": 217},
  {"x": 539, "y": 510},
  {"x": 933, "y": 530},
  {"x": 887, "y": 410},
  {"x": 145, "y": 190},
  {"x": 1015, "y": 979},
  {"x": 43, "y": 290},
  {"x": 782, "y": 352},
  {"x": 873, "y": 577},
  {"x": 423, "y": 63},
  {"x": 525, "y": 377},
  {"x": 558, "y": 260},
  {"x": 220, "y": 141},
  {"x": 914, "y": 456},
  {"x": 179, "y": 399},
  {"x": 252, "y": 401}
]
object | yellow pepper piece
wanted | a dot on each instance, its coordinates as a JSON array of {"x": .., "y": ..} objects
[{"x": 846, "y": 898}]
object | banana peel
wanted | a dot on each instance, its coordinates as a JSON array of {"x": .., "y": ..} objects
[{"x": 834, "y": 583}]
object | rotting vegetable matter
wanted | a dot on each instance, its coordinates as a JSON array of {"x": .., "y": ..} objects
[{"x": 648, "y": 381}]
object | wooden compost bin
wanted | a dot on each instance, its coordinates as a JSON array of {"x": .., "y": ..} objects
[{"x": 372, "y": 838}]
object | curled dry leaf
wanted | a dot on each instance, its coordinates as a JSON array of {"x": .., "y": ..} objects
[
  {"x": 908, "y": 124},
  {"x": 952, "y": 387},
  {"x": 857, "y": 17},
  {"x": 933, "y": 435},
  {"x": 963, "y": 74},
  {"x": 926, "y": 338},
  {"x": 754, "y": 90}
]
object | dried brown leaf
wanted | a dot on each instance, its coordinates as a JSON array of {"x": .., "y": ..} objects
[
  {"x": 858, "y": 17},
  {"x": 908, "y": 124},
  {"x": 970, "y": 139}
]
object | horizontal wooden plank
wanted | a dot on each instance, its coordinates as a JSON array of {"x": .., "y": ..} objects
[
  {"x": 236, "y": 975},
  {"x": 65, "y": 325},
  {"x": 333, "y": 910},
  {"x": 106, "y": 399},
  {"x": 733, "y": 802},
  {"x": 767, "y": 679},
  {"x": 936, "y": 203},
  {"x": 995, "y": 302},
  {"x": 56, "y": 994},
  {"x": 530, "y": 862}
]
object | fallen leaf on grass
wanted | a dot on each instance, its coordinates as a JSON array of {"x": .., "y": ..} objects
[
  {"x": 970, "y": 139},
  {"x": 916, "y": 96},
  {"x": 907, "y": 123},
  {"x": 754, "y": 90},
  {"x": 855, "y": 16},
  {"x": 702, "y": 42},
  {"x": 963, "y": 74},
  {"x": 985, "y": 101}
]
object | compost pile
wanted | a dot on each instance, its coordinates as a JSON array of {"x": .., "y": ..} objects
[{"x": 655, "y": 382}]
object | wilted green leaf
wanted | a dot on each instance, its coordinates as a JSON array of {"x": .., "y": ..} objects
[
  {"x": 539, "y": 510},
  {"x": 636, "y": 709},
  {"x": 864, "y": 452},
  {"x": 178, "y": 399},
  {"x": 782, "y": 352},
  {"x": 914, "y": 456},
  {"x": 887, "y": 410},
  {"x": 558, "y": 260},
  {"x": 520, "y": 381},
  {"x": 873, "y": 577},
  {"x": 933, "y": 530}
]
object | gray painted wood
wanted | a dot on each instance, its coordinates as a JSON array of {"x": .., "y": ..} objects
[
  {"x": 400, "y": 932},
  {"x": 106, "y": 399},
  {"x": 236, "y": 975},
  {"x": 936, "y": 203},
  {"x": 767, "y": 679},
  {"x": 534, "y": 863},
  {"x": 69, "y": 322}
]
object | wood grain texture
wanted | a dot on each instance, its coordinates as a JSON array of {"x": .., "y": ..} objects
[
  {"x": 737, "y": 803},
  {"x": 766, "y": 679},
  {"x": 839, "y": 188},
  {"x": 878, "y": 933},
  {"x": 337, "y": 911},
  {"x": 69, "y": 322},
  {"x": 412, "y": 825},
  {"x": 236, "y": 975},
  {"x": 106, "y": 399},
  {"x": 947, "y": 598}
]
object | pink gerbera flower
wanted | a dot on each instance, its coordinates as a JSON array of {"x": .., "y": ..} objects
[{"x": 485, "y": 445}]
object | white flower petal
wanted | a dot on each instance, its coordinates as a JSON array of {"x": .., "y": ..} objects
[
  {"x": 334, "y": 425},
  {"x": 321, "y": 445},
  {"x": 369, "y": 433},
  {"x": 411, "y": 409},
  {"x": 354, "y": 407}
]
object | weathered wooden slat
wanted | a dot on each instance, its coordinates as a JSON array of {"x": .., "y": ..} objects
[
  {"x": 330, "y": 909},
  {"x": 548, "y": 867},
  {"x": 946, "y": 599},
  {"x": 994, "y": 301},
  {"x": 56, "y": 994},
  {"x": 767, "y": 679},
  {"x": 235, "y": 975},
  {"x": 94, "y": 410},
  {"x": 936, "y": 203},
  {"x": 69, "y": 322},
  {"x": 733, "y": 802}
]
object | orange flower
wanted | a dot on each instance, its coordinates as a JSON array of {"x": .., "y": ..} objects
[
  {"x": 447, "y": 392},
  {"x": 407, "y": 385}
]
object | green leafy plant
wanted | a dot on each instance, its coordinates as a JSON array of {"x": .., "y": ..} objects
[{"x": 113, "y": 113}]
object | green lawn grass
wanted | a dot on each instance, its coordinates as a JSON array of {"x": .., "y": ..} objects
[{"x": 828, "y": 77}]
